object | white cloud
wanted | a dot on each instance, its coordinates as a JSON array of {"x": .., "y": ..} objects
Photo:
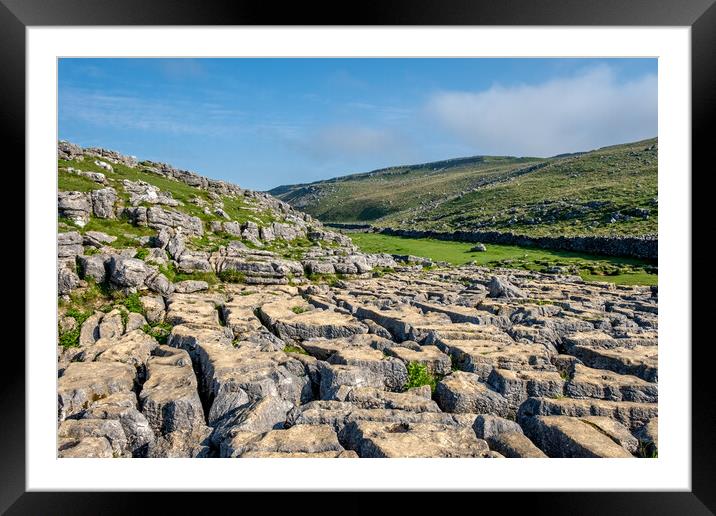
[
  {"x": 562, "y": 115},
  {"x": 349, "y": 141}
]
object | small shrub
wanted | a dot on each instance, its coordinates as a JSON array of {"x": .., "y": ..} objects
[
  {"x": 232, "y": 276},
  {"x": 160, "y": 331},
  {"x": 124, "y": 314},
  {"x": 169, "y": 271},
  {"x": 142, "y": 253},
  {"x": 331, "y": 279},
  {"x": 71, "y": 339},
  {"x": 133, "y": 303},
  {"x": 299, "y": 309},
  {"x": 209, "y": 277},
  {"x": 647, "y": 450},
  {"x": 418, "y": 376},
  {"x": 294, "y": 349}
]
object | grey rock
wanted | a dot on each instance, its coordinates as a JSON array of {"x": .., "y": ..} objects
[
  {"x": 103, "y": 202},
  {"x": 190, "y": 286},
  {"x": 463, "y": 392},
  {"x": 67, "y": 280},
  {"x": 562, "y": 436},
  {"x": 89, "y": 332},
  {"x": 76, "y": 206},
  {"x": 109, "y": 429},
  {"x": 158, "y": 282},
  {"x": 488, "y": 426},
  {"x": 515, "y": 445},
  {"x": 122, "y": 407},
  {"x": 97, "y": 239},
  {"x": 154, "y": 308},
  {"x": 501, "y": 287},
  {"x": 111, "y": 326},
  {"x": 128, "y": 272},
  {"x": 169, "y": 398}
]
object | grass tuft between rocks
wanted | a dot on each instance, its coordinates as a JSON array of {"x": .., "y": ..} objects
[{"x": 418, "y": 375}]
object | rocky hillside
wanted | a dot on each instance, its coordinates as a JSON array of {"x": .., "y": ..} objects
[
  {"x": 609, "y": 191},
  {"x": 198, "y": 319}
]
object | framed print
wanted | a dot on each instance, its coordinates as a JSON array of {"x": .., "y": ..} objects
[{"x": 425, "y": 236}]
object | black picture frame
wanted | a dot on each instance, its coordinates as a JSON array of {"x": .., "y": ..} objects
[{"x": 700, "y": 15}]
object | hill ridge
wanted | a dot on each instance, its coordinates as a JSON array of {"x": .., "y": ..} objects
[{"x": 607, "y": 191}]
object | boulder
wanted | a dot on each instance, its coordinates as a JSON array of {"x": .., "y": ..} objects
[
  {"x": 122, "y": 407},
  {"x": 562, "y": 436},
  {"x": 295, "y": 319},
  {"x": 298, "y": 441},
  {"x": 108, "y": 429},
  {"x": 436, "y": 362},
  {"x": 154, "y": 308},
  {"x": 67, "y": 280},
  {"x": 375, "y": 439},
  {"x": 85, "y": 382},
  {"x": 502, "y": 288},
  {"x": 103, "y": 202},
  {"x": 169, "y": 398},
  {"x": 85, "y": 447},
  {"x": 515, "y": 445},
  {"x": 183, "y": 444},
  {"x": 111, "y": 326},
  {"x": 133, "y": 348},
  {"x": 190, "y": 286},
  {"x": 393, "y": 373},
  {"x": 464, "y": 393},
  {"x": 94, "y": 267},
  {"x": 76, "y": 206},
  {"x": 586, "y": 382},
  {"x": 158, "y": 282},
  {"x": 89, "y": 332},
  {"x": 128, "y": 272}
]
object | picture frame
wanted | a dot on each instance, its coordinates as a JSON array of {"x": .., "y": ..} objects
[{"x": 700, "y": 15}]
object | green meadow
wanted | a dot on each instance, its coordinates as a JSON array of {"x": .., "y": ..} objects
[{"x": 622, "y": 271}]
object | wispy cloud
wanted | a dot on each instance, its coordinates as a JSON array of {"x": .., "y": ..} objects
[
  {"x": 561, "y": 115},
  {"x": 349, "y": 141},
  {"x": 122, "y": 111}
]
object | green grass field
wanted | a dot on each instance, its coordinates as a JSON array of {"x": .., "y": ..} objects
[{"x": 623, "y": 271}]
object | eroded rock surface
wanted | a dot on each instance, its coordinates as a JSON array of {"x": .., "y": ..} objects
[{"x": 254, "y": 331}]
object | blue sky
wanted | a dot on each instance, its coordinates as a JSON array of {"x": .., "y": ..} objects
[{"x": 265, "y": 122}]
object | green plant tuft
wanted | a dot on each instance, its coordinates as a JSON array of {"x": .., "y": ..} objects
[
  {"x": 418, "y": 375},
  {"x": 133, "y": 303},
  {"x": 71, "y": 338},
  {"x": 160, "y": 331},
  {"x": 232, "y": 276},
  {"x": 294, "y": 349}
]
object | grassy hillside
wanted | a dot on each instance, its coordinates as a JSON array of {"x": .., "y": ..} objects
[
  {"x": 375, "y": 195},
  {"x": 194, "y": 201},
  {"x": 609, "y": 191}
]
